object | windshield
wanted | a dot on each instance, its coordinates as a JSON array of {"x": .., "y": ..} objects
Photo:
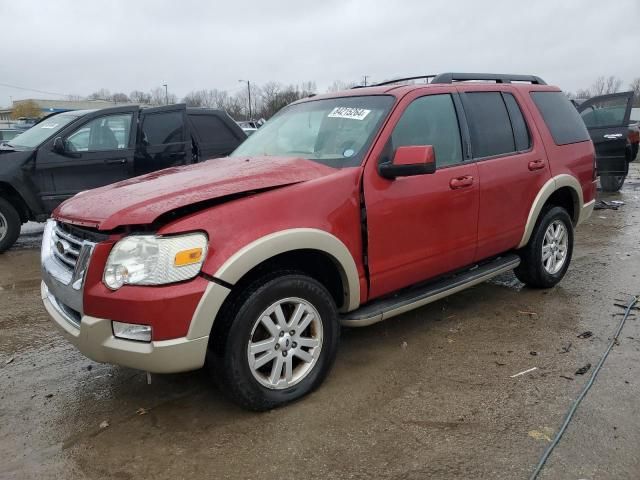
[
  {"x": 335, "y": 131},
  {"x": 40, "y": 132}
]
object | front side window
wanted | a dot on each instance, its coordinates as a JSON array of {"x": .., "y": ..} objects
[
  {"x": 110, "y": 132},
  {"x": 489, "y": 124},
  {"x": 335, "y": 131},
  {"x": 431, "y": 120}
]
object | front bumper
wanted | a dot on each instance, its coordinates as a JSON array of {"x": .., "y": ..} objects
[{"x": 94, "y": 338}]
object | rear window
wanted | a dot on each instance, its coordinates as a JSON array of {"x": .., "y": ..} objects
[
  {"x": 489, "y": 124},
  {"x": 163, "y": 127},
  {"x": 211, "y": 129},
  {"x": 562, "y": 118}
]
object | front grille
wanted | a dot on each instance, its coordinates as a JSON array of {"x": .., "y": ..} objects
[{"x": 66, "y": 247}]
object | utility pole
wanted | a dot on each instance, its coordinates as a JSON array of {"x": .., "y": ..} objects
[
  {"x": 166, "y": 94},
  {"x": 365, "y": 77},
  {"x": 249, "y": 95}
]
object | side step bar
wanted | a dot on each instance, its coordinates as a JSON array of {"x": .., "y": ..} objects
[{"x": 416, "y": 297}]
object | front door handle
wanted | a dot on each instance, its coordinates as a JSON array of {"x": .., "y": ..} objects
[
  {"x": 120, "y": 161},
  {"x": 461, "y": 182},
  {"x": 536, "y": 164},
  {"x": 612, "y": 136}
]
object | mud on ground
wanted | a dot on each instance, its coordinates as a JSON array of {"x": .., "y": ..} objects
[{"x": 428, "y": 394}]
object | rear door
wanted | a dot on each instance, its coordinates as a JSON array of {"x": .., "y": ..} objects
[
  {"x": 512, "y": 166},
  {"x": 164, "y": 139},
  {"x": 99, "y": 150},
  {"x": 607, "y": 119},
  {"x": 215, "y": 133}
]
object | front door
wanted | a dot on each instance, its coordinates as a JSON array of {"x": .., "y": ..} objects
[
  {"x": 97, "y": 151},
  {"x": 425, "y": 225},
  {"x": 165, "y": 139},
  {"x": 607, "y": 119}
]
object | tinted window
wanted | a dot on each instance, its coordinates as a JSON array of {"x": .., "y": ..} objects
[
  {"x": 609, "y": 112},
  {"x": 489, "y": 124},
  {"x": 520, "y": 130},
  {"x": 431, "y": 120},
  {"x": 162, "y": 128},
  {"x": 561, "y": 117},
  {"x": 103, "y": 133},
  {"x": 211, "y": 129}
]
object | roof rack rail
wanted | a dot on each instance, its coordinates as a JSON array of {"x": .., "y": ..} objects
[
  {"x": 405, "y": 79},
  {"x": 496, "y": 77}
]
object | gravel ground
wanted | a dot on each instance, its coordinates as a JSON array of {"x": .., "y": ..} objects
[{"x": 428, "y": 394}]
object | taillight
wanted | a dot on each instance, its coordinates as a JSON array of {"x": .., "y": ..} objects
[{"x": 634, "y": 136}]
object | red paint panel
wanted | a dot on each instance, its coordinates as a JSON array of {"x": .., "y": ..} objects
[
  {"x": 141, "y": 200},
  {"x": 168, "y": 309},
  {"x": 419, "y": 226},
  {"x": 508, "y": 188}
]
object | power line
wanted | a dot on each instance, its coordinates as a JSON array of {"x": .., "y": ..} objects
[{"x": 33, "y": 90}]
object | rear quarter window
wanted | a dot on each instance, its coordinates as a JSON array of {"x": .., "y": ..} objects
[
  {"x": 562, "y": 118},
  {"x": 212, "y": 130}
]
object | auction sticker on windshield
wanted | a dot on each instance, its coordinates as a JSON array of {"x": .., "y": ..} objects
[
  {"x": 49, "y": 125},
  {"x": 349, "y": 112}
]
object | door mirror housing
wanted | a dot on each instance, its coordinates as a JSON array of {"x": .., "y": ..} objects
[
  {"x": 59, "y": 146},
  {"x": 410, "y": 160}
]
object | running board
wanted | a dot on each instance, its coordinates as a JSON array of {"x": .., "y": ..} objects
[{"x": 416, "y": 297}]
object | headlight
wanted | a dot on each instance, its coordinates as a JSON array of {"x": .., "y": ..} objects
[{"x": 152, "y": 260}]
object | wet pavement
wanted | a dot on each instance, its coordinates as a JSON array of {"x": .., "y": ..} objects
[{"x": 428, "y": 394}]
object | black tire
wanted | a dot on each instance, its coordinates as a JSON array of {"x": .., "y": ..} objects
[
  {"x": 228, "y": 360},
  {"x": 9, "y": 225},
  {"x": 531, "y": 270},
  {"x": 612, "y": 183}
]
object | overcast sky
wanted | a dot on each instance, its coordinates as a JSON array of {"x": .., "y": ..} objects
[{"x": 77, "y": 47}]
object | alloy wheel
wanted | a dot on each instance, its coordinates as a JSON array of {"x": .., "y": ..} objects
[{"x": 285, "y": 343}]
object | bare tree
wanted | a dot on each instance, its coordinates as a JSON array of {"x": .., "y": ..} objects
[
  {"x": 159, "y": 97},
  {"x": 339, "y": 85},
  {"x": 635, "y": 86},
  {"x": 140, "y": 97},
  {"x": 102, "y": 94},
  {"x": 120, "y": 97},
  {"x": 605, "y": 85}
]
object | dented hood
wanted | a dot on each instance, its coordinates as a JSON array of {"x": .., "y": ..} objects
[{"x": 141, "y": 200}]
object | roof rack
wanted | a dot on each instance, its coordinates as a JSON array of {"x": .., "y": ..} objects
[
  {"x": 405, "y": 79},
  {"x": 465, "y": 77},
  {"x": 496, "y": 77}
]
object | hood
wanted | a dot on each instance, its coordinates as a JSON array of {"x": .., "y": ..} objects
[{"x": 141, "y": 200}]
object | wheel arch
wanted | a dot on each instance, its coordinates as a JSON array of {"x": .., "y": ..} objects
[
  {"x": 9, "y": 193},
  {"x": 563, "y": 190},
  {"x": 296, "y": 241}
]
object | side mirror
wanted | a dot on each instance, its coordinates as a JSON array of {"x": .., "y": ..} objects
[
  {"x": 59, "y": 146},
  {"x": 410, "y": 160}
]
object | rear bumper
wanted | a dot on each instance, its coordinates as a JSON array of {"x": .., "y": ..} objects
[{"x": 94, "y": 338}]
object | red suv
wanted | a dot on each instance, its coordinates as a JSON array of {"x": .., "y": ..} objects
[{"x": 344, "y": 209}]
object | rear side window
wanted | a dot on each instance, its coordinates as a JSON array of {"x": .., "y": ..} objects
[
  {"x": 164, "y": 127},
  {"x": 489, "y": 124},
  {"x": 520, "y": 131},
  {"x": 211, "y": 129},
  {"x": 431, "y": 120},
  {"x": 561, "y": 117}
]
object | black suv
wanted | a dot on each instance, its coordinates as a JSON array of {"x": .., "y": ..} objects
[{"x": 79, "y": 150}]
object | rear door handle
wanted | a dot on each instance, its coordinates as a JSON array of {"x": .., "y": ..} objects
[
  {"x": 120, "y": 161},
  {"x": 612, "y": 136},
  {"x": 536, "y": 164},
  {"x": 461, "y": 182}
]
